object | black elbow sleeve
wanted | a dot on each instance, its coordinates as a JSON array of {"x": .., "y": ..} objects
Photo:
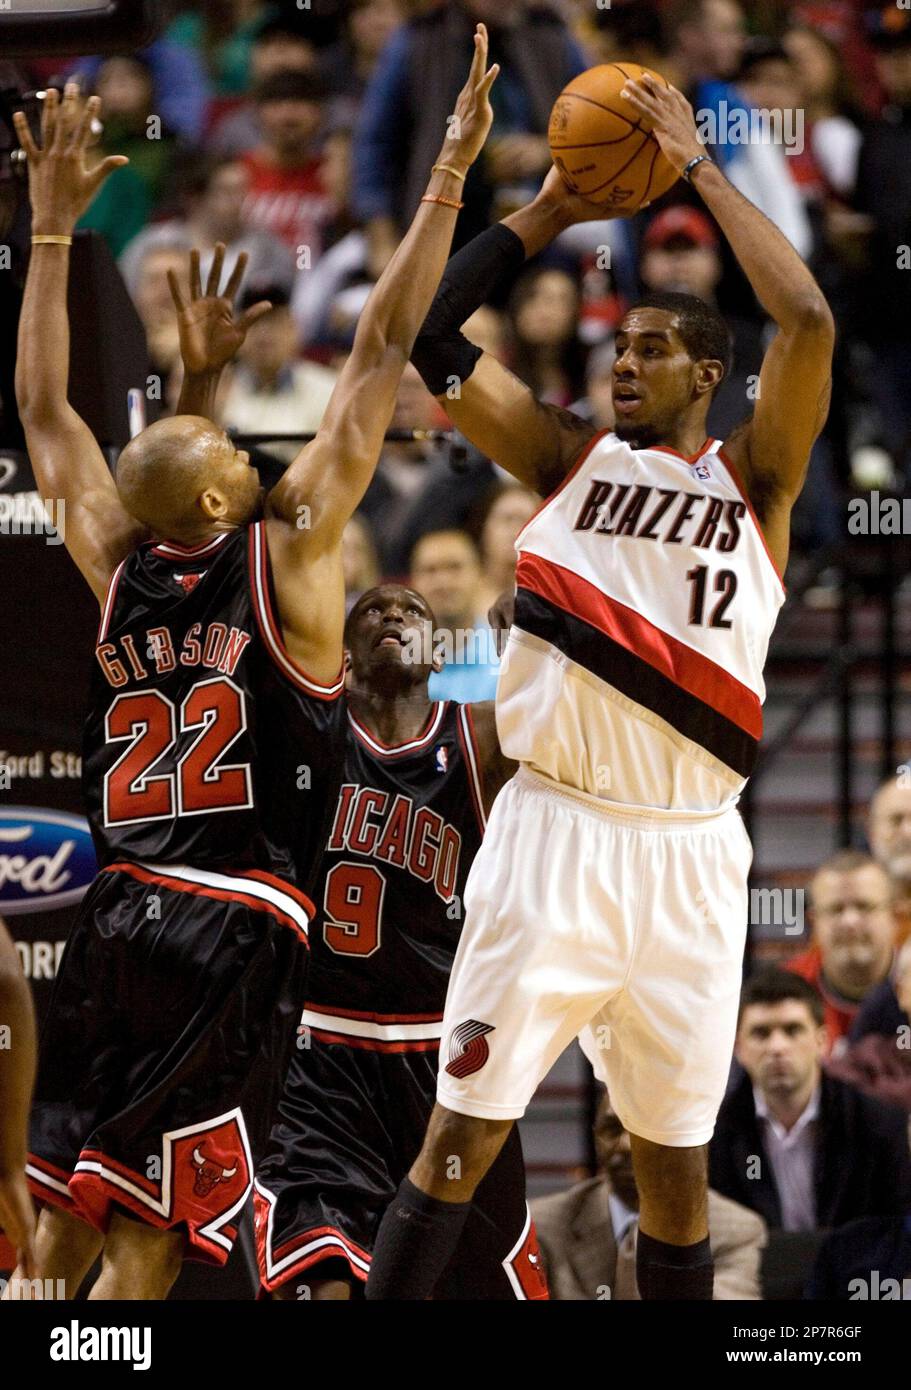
[{"x": 444, "y": 362}]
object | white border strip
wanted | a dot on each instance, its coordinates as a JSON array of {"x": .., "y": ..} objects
[
  {"x": 415, "y": 743},
  {"x": 251, "y": 887},
  {"x": 363, "y": 1028}
]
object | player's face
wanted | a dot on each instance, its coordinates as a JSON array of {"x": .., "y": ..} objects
[
  {"x": 780, "y": 1046},
  {"x": 239, "y": 481},
  {"x": 854, "y": 922},
  {"x": 390, "y": 627},
  {"x": 890, "y": 831},
  {"x": 653, "y": 377}
]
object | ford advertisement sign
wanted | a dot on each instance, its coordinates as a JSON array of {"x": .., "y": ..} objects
[{"x": 47, "y": 859}]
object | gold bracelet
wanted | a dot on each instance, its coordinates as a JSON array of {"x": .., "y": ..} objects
[
  {"x": 51, "y": 240},
  {"x": 449, "y": 170},
  {"x": 447, "y": 202}
]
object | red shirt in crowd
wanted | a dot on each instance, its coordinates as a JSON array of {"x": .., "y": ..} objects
[
  {"x": 293, "y": 204},
  {"x": 839, "y": 1012}
]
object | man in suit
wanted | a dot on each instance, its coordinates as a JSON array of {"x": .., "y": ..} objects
[
  {"x": 588, "y": 1235},
  {"x": 803, "y": 1149}
]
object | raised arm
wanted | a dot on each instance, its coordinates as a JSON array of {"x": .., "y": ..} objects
[
  {"x": 772, "y": 449},
  {"x": 532, "y": 440},
  {"x": 308, "y": 509},
  {"x": 69, "y": 467}
]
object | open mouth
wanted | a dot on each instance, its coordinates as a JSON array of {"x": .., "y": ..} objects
[
  {"x": 390, "y": 638},
  {"x": 626, "y": 400}
]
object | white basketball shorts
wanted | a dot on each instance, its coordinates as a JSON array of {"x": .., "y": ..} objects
[{"x": 621, "y": 927}]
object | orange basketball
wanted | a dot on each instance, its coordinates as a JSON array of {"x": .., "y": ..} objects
[{"x": 602, "y": 146}]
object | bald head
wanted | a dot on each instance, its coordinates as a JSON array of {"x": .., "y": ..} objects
[
  {"x": 889, "y": 829},
  {"x": 183, "y": 478}
]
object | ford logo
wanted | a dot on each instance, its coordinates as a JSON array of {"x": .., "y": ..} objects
[{"x": 47, "y": 859}]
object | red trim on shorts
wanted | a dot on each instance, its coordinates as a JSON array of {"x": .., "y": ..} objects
[
  {"x": 180, "y": 885},
  {"x": 375, "y": 1044},
  {"x": 326, "y": 1252},
  {"x": 368, "y": 1017}
]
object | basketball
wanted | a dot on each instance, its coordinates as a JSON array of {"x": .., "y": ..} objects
[{"x": 603, "y": 148}]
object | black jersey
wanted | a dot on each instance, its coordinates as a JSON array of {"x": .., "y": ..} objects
[
  {"x": 205, "y": 745},
  {"x": 389, "y": 899}
]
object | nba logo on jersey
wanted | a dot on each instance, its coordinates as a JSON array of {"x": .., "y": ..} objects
[
  {"x": 701, "y": 471},
  {"x": 442, "y": 757}
]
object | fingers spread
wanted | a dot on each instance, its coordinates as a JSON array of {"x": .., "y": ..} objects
[
  {"x": 176, "y": 293},
  {"x": 25, "y": 135},
  {"x": 256, "y": 311},
  {"x": 237, "y": 274},
  {"x": 218, "y": 260},
  {"x": 195, "y": 283}
]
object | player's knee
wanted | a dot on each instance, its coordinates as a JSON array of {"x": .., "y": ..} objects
[
  {"x": 672, "y": 1182},
  {"x": 459, "y": 1149}
]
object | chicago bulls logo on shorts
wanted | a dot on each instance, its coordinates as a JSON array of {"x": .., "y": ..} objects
[{"x": 468, "y": 1050}]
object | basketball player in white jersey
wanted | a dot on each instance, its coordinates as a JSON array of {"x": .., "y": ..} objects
[{"x": 609, "y": 898}]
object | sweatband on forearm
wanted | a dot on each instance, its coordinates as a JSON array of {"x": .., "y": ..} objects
[{"x": 441, "y": 352}]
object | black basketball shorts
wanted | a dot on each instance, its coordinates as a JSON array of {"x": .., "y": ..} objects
[{"x": 166, "y": 1039}]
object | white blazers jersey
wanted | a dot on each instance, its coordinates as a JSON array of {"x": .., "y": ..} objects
[{"x": 645, "y": 600}]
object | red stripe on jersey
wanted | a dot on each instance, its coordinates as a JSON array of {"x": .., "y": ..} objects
[
  {"x": 270, "y": 631},
  {"x": 688, "y": 669},
  {"x": 466, "y": 732},
  {"x": 203, "y": 890}
]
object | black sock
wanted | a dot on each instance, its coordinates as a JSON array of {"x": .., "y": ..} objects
[
  {"x": 416, "y": 1240},
  {"x": 673, "y": 1271}
]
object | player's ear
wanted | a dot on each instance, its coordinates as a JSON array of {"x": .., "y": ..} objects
[
  {"x": 212, "y": 504},
  {"x": 709, "y": 373}
]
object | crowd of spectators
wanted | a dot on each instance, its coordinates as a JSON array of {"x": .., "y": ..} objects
[{"x": 303, "y": 137}]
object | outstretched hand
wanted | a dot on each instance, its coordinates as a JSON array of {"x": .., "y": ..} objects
[
  {"x": 210, "y": 334},
  {"x": 60, "y": 184},
  {"x": 470, "y": 123}
]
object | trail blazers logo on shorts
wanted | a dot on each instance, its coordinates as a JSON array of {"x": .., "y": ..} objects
[{"x": 468, "y": 1050}]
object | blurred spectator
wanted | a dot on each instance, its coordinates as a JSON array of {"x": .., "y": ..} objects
[
  {"x": 402, "y": 472},
  {"x": 131, "y": 124},
  {"x": 630, "y": 31},
  {"x": 680, "y": 251},
  {"x": 853, "y": 940},
  {"x": 214, "y": 192},
  {"x": 588, "y": 1234},
  {"x": 545, "y": 352},
  {"x": 413, "y": 90},
  {"x": 350, "y": 63},
  {"x": 708, "y": 45},
  {"x": 446, "y": 569},
  {"x": 181, "y": 87},
  {"x": 507, "y": 508},
  {"x": 279, "y": 45},
  {"x": 884, "y": 193},
  {"x": 288, "y": 194},
  {"x": 801, "y": 1148},
  {"x": 270, "y": 388},
  {"x": 889, "y": 834},
  {"x": 879, "y": 1061},
  {"x": 828, "y": 164},
  {"x": 152, "y": 297},
  {"x": 359, "y": 560},
  {"x": 868, "y": 1259},
  {"x": 222, "y": 33},
  {"x": 597, "y": 404}
]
